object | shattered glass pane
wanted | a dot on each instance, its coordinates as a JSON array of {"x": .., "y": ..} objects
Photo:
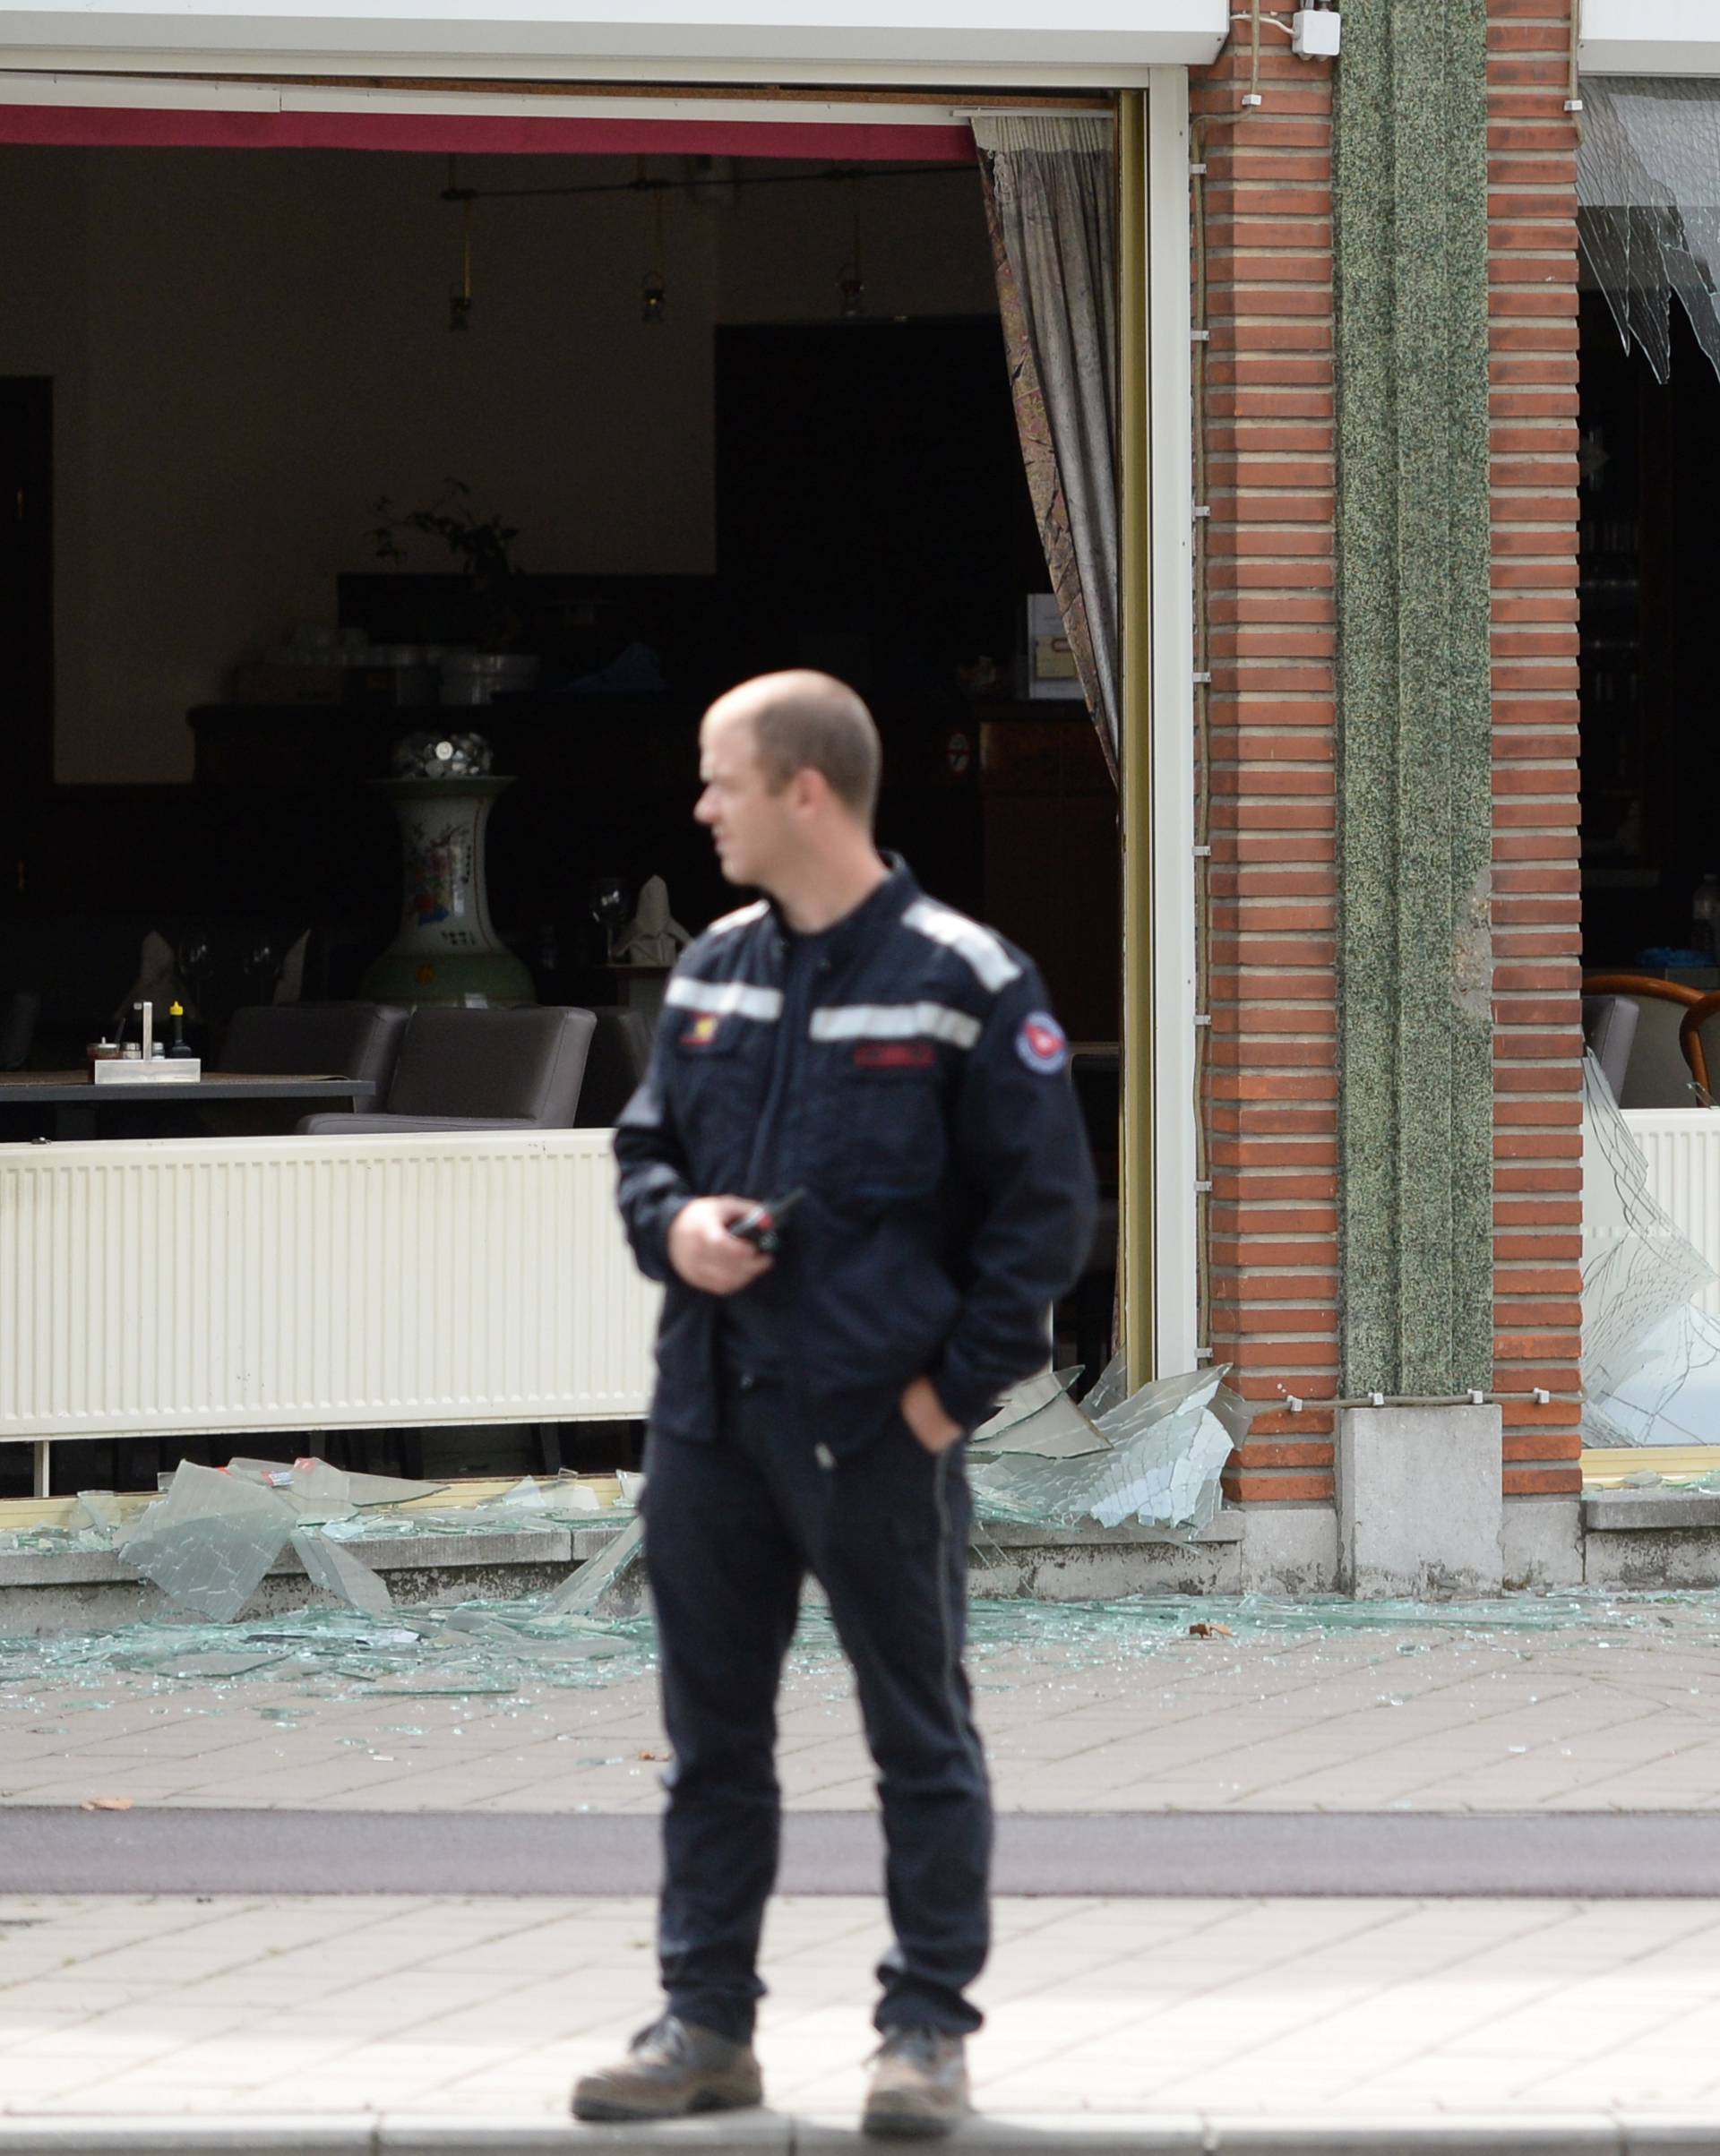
[
  {"x": 1022, "y": 1404},
  {"x": 1644, "y": 1343},
  {"x": 1649, "y": 191},
  {"x": 1110, "y": 1388},
  {"x": 1155, "y": 1459},
  {"x": 340, "y": 1573},
  {"x": 209, "y": 1542},
  {"x": 1672, "y": 1396}
]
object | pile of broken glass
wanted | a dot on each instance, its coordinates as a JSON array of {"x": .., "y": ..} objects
[
  {"x": 1151, "y": 1458},
  {"x": 210, "y": 1539}
]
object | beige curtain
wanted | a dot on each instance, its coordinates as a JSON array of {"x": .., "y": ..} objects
[{"x": 1051, "y": 203}]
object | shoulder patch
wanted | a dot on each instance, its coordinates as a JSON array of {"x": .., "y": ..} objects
[
  {"x": 983, "y": 952},
  {"x": 1040, "y": 1044}
]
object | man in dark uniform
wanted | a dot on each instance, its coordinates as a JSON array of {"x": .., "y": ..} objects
[{"x": 849, "y": 1039}]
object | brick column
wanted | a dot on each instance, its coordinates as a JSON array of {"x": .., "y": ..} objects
[
  {"x": 1272, "y": 1105},
  {"x": 1266, "y": 208},
  {"x": 1538, "y": 1042}
]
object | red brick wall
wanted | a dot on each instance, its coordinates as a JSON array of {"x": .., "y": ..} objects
[
  {"x": 1537, "y": 1057},
  {"x": 1272, "y": 1056},
  {"x": 1272, "y": 1084}
]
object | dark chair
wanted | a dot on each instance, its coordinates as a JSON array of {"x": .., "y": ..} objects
[
  {"x": 620, "y": 1054},
  {"x": 460, "y": 1069},
  {"x": 1695, "y": 1045},
  {"x": 1610, "y": 1032},
  {"x": 1660, "y": 1070},
  {"x": 316, "y": 1040},
  {"x": 19, "y": 1012}
]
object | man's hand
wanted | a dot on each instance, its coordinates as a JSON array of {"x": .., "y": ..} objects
[
  {"x": 923, "y": 1411},
  {"x": 706, "y": 1254}
]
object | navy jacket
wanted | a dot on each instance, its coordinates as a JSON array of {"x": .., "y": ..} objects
[{"x": 928, "y": 1113}]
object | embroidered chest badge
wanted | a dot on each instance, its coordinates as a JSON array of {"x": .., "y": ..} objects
[
  {"x": 1040, "y": 1044},
  {"x": 702, "y": 1031},
  {"x": 895, "y": 1055}
]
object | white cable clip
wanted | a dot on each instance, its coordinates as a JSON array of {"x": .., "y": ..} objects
[
  {"x": 1202, "y": 509},
  {"x": 1253, "y": 97},
  {"x": 1376, "y": 1399},
  {"x": 1573, "y": 104},
  {"x": 1542, "y": 1397},
  {"x": 1477, "y": 1399},
  {"x": 1200, "y": 336},
  {"x": 1293, "y": 1402}
]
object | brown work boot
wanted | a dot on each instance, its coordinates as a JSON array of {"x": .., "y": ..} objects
[
  {"x": 919, "y": 2085},
  {"x": 672, "y": 2068}
]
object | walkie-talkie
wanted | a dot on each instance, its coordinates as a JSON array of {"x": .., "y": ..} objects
[{"x": 761, "y": 1223}]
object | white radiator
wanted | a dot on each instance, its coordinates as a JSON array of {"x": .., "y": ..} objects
[
  {"x": 1681, "y": 1148},
  {"x": 301, "y": 1283}
]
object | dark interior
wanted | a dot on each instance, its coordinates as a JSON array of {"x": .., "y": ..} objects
[{"x": 1650, "y": 750}]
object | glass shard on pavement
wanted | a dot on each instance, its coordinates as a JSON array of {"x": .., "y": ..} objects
[
  {"x": 606, "y": 1586},
  {"x": 338, "y": 1572},
  {"x": 101, "y": 1509},
  {"x": 209, "y": 1542}
]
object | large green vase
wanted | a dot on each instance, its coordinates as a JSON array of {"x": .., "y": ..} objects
[{"x": 447, "y": 950}]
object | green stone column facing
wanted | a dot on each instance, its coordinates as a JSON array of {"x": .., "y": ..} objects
[{"x": 1415, "y": 1113}]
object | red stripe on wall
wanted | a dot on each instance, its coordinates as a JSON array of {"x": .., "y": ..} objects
[{"x": 126, "y": 127}]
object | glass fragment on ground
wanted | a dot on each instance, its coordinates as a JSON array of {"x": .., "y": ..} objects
[
  {"x": 338, "y": 1572},
  {"x": 330, "y": 1656},
  {"x": 340, "y": 1506},
  {"x": 101, "y": 1513},
  {"x": 209, "y": 1542},
  {"x": 607, "y": 1586}
]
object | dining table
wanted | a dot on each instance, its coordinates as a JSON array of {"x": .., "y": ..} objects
[{"x": 73, "y": 1103}]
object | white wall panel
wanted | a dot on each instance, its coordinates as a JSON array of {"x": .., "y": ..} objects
[
  {"x": 306, "y": 1283},
  {"x": 1651, "y": 38}
]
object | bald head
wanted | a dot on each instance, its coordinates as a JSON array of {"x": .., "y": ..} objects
[{"x": 803, "y": 721}]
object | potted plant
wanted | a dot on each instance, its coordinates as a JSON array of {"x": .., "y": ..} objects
[{"x": 483, "y": 547}]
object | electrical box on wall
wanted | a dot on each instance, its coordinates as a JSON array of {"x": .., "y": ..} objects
[{"x": 1314, "y": 32}]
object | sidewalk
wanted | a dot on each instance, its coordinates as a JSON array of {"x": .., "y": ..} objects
[
  {"x": 481, "y": 2013},
  {"x": 358, "y": 2021},
  {"x": 1616, "y": 1707}
]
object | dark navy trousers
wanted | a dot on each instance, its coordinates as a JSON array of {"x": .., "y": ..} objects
[{"x": 732, "y": 1529}]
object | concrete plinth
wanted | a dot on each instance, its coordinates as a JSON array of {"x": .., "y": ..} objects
[
  {"x": 1543, "y": 1541},
  {"x": 1419, "y": 1508}
]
